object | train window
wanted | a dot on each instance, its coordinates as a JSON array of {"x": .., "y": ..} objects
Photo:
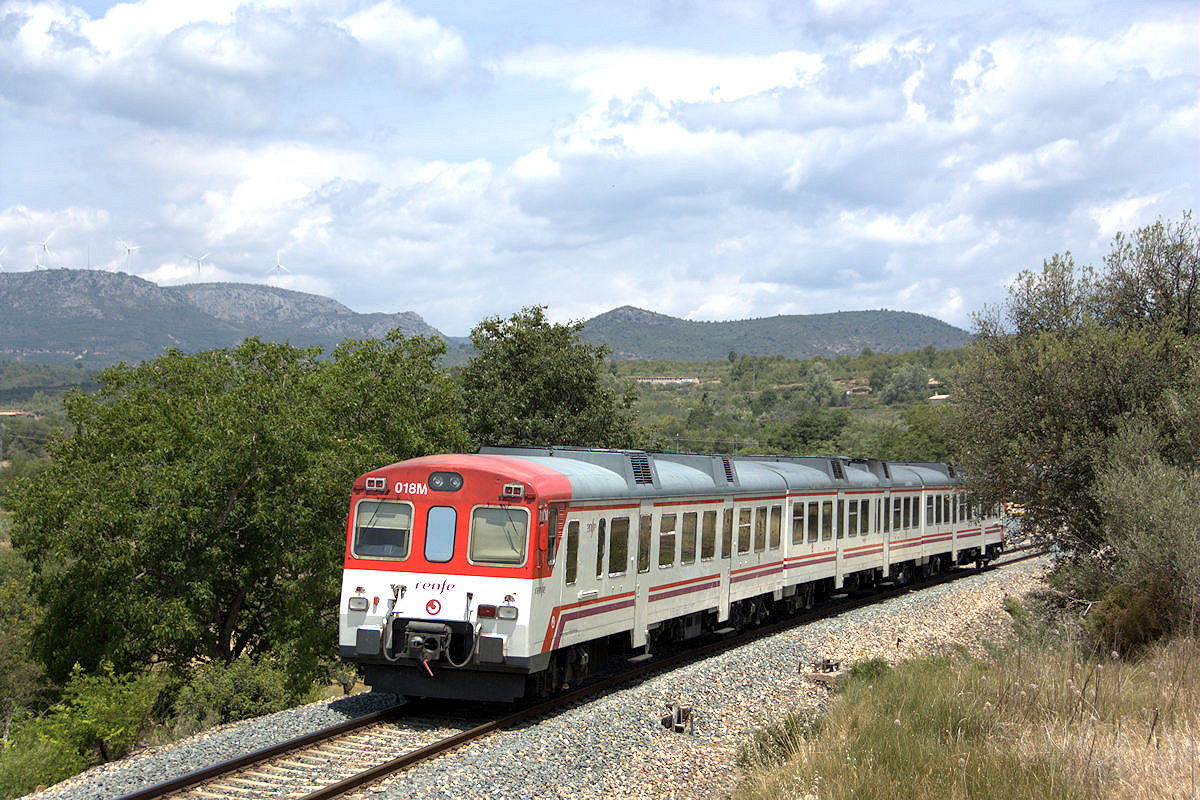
[
  {"x": 601, "y": 530},
  {"x": 572, "y": 565},
  {"x": 708, "y": 535},
  {"x": 666, "y": 540},
  {"x": 382, "y": 529},
  {"x": 439, "y": 534},
  {"x": 760, "y": 529},
  {"x": 897, "y": 513},
  {"x": 644, "y": 532},
  {"x": 776, "y": 526},
  {"x": 618, "y": 547},
  {"x": 908, "y": 512},
  {"x": 498, "y": 536},
  {"x": 797, "y": 523},
  {"x": 553, "y": 536},
  {"x": 744, "y": 517},
  {"x": 929, "y": 510},
  {"x": 839, "y": 521},
  {"x": 813, "y": 520},
  {"x": 852, "y": 519},
  {"x": 886, "y": 514},
  {"x": 727, "y": 534},
  {"x": 864, "y": 516},
  {"x": 946, "y": 508},
  {"x": 827, "y": 520},
  {"x": 687, "y": 545}
]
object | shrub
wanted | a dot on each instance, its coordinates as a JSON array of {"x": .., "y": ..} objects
[{"x": 245, "y": 687}]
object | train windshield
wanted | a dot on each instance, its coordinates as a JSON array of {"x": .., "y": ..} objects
[
  {"x": 382, "y": 529},
  {"x": 498, "y": 536}
]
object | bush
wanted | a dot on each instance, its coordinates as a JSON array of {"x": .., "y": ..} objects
[
  {"x": 99, "y": 718},
  {"x": 243, "y": 688}
]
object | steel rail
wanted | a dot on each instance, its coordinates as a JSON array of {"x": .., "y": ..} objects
[
  {"x": 258, "y": 756},
  {"x": 427, "y": 752}
]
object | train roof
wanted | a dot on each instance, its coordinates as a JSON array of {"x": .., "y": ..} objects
[{"x": 601, "y": 474}]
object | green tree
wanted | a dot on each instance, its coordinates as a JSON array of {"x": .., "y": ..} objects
[
  {"x": 909, "y": 382},
  {"x": 813, "y": 426},
  {"x": 1058, "y": 374},
  {"x": 196, "y": 511},
  {"x": 533, "y": 382}
]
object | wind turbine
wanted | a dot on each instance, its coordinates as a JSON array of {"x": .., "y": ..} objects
[
  {"x": 278, "y": 268},
  {"x": 199, "y": 261},
  {"x": 42, "y": 245},
  {"x": 129, "y": 248}
]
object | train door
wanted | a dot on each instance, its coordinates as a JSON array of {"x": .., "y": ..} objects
[
  {"x": 839, "y": 528},
  {"x": 640, "y": 567},
  {"x": 724, "y": 556}
]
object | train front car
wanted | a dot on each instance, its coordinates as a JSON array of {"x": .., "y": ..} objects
[{"x": 443, "y": 556}]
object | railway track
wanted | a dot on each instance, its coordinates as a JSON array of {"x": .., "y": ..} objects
[{"x": 336, "y": 761}]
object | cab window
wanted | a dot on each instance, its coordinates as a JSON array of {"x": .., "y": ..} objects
[
  {"x": 498, "y": 536},
  {"x": 382, "y": 529},
  {"x": 439, "y": 534}
]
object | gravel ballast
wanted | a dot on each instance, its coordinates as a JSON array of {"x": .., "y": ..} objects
[{"x": 616, "y": 746}]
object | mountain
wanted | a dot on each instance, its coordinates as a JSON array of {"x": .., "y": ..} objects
[
  {"x": 97, "y": 318},
  {"x": 637, "y": 334}
]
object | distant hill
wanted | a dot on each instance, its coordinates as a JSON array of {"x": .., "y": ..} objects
[
  {"x": 636, "y": 334},
  {"x": 93, "y": 318},
  {"x": 96, "y": 318}
]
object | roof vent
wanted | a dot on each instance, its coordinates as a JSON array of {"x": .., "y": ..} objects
[
  {"x": 887, "y": 473},
  {"x": 950, "y": 471},
  {"x": 641, "y": 469},
  {"x": 728, "y": 469},
  {"x": 839, "y": 471}
]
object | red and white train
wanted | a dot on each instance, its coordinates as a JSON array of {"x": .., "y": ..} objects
[{"x": 516, "y": 570}]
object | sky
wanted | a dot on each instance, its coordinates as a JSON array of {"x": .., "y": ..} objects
[{"x": 707, "y": 160}]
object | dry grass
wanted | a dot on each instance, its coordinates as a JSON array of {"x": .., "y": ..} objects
[{"x": 1029, "y": 722}]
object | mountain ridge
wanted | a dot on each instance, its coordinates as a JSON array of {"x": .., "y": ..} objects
[{"x": 95, "y": 318}]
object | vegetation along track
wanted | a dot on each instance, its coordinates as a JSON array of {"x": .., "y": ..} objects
[{"x": 335, "y": 761}]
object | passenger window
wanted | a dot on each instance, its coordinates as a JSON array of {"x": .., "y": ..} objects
[
  {"x": 797, "y": 523},
  {"x": 864, "y": 517},
  {"x": 618, "y": 547},
  {"x": 644, "y": 532},
  {"x": 666, "y": 540},
  {"x": 601, "y": 529},
  {"x": 439, "y": 534},
  {"x": 929, "y": 510},
  {"x": 760, "y": 529},
  {"x": 708, "y": 535},
  {"x": 908, "y": 515},
  {"x": 852, "y": 521},
  {"x": 687, "y": 545},
  {"x": 776, "y": 526},
  {"x": 840, "y": 520},
  {"x": 813, "y": 521},
  {"x": 827, "y": 520},
  {"x": 946, "y": 508},
  {"x": 887, "y": 514},
  {"x": 572, "y": 565},
  {"x": 498, "y": 536},
  {"x": 382, "y": 529},
  {"x": 727, "y": 534},
  {"x": 744, "y": 518}
]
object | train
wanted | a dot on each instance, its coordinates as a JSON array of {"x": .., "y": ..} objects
[{"x": 515, "y": 572}]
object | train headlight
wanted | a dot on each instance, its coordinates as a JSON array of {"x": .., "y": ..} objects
[
  {"x": 506, "y": 612},
  {"x": 358, "y": 604}
]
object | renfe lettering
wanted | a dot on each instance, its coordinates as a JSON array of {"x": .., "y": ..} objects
[{"x": 444, "y": 586}]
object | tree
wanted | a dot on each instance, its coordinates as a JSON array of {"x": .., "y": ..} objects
[
  {"x": 813, "y": 426},
  {"x": 533, "y": 382},
  {"x": 1059, "y": 375},
  {"x": 909, "y": 382},
  {"x": 196, "y": 511}
]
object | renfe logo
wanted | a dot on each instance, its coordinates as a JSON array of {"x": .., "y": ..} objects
[
  {"x": 433, "y": 607},
  {"x": 444, "y": 586}
]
